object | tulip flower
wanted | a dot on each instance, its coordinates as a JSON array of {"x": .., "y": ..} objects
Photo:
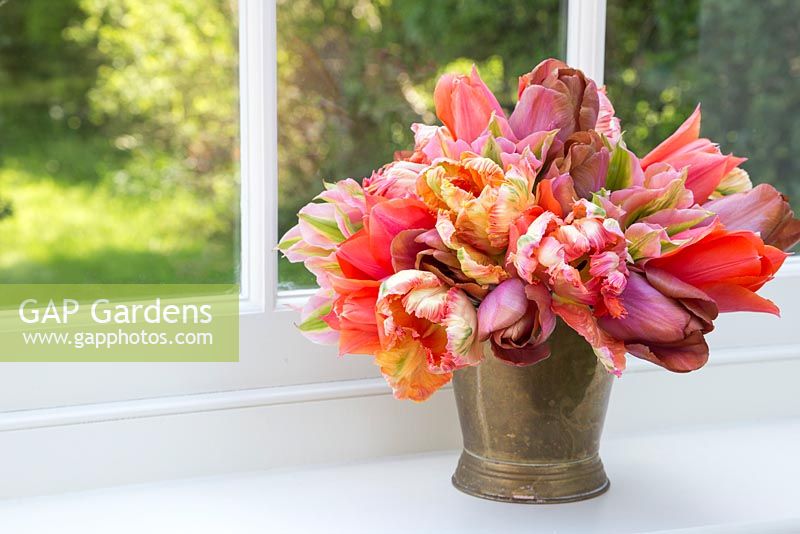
[
  {"x": 323, "y": 226},
  {"x": 762, "y": 210},
  {"x": 427, "y": 330},
  {"x": 706, "y": 165},
  {"x": 726, "y": 267},
  {"x": 395, "y": 180},
  {"x": 517, "y": 320},
  {"x": 465, "y": 105},
  {"x": 583, "y": 260},
  {"x": 479, "y": 201},
  {"x": 664, "y": 188},
  {"x": 607, "y": 124},
  {"x": 586, "y": 160},
  {"x": 553, "y": 96},
  {"x": 352, "y": 315},
  {"x": 367, "y": 254},
  {"x": 314, "y": 318},
  {"x": 658, "y": 328}
]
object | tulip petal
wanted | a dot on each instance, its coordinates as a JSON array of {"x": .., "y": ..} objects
[
  {"x": 736, "y": 181},
  {"x": 644, "y": 240},
  {"x": 357, "y": 261},
  {"x": 607, "y": 123},
  {"x": 733, "y": 298},
  {"x": 405, "y": 248},
  {"x": 318, "y": 224},
  {"x": 652, "y": 314},
  {"x": 502, "y": 307},
  {"x": 685, "y": 134},
  {"x": 461, "y": 326},
  {"x": 610, "y": 351},
  {"x": 540, "y": 109},
  {"x": 624, "y": 169},
  {"x": 521, "y": 357},
  {"x": 389, "y": 218},
  {"x": 689, "y": 355},
  {"x": 763, "y": 210},
  {"x": 405, "y": 368},
  {"x": 675, "y": 221},
  {"x": 312, "y": 323}
]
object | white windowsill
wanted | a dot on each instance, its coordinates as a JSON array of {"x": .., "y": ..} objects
[{"x": 730, "y": 479}]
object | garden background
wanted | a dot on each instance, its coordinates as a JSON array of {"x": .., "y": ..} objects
[{"x": 118, "y": 118}]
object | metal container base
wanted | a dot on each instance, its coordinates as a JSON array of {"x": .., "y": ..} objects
[{"x": 530, "y": 483}]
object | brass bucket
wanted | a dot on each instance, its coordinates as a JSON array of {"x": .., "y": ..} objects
[{"x": 532, "y": 434}]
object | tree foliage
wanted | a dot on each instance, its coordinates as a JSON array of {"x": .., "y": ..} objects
[{"x": 148, "y": 87}]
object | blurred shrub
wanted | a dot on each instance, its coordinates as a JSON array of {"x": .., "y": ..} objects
[{"x": 166, "y": 92}]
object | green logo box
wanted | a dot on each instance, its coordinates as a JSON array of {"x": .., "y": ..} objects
[{"x": 119, "y": 322}]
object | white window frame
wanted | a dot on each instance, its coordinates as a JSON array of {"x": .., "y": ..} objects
[{"x": 281, "y": 375}]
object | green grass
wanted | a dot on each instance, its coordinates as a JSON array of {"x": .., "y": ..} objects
[{"x": 63, "y": 231}]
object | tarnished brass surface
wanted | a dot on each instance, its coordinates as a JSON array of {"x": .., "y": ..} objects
[{"x": 532, "y": 434}]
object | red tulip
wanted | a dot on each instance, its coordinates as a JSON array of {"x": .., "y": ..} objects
[{"x": 727, "y": 267}]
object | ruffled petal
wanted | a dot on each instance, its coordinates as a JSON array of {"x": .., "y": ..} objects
[{"x": 405, "y": 368}]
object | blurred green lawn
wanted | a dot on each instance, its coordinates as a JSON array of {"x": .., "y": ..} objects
[
  {"x": 77, "y": 234},
  {"x": 118, "y": 141},
  {"x": 78, "y": 231}
]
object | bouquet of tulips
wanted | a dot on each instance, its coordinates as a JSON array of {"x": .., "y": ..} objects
[{"x": 495, "y": 226}]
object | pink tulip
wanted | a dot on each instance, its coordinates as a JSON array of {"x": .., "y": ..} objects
[
  {"x": 517, "y": 320},
  {"x": 427, "y": 330},
  {"x": 663, "y": 189},
  {"x": 465, "y": 105},
  {"x": 353, "y": 317},
  {"x": 607, "y": 123},
  {"x": 582, "y": 259},
  {"x": 354, "y": 267},
  {"x": 762, "y": 210},
  {"x": 323, "y": 226},
  {"x": 367, "y": 254},
  {"x": 706, "y": 165},
  {"x": 395, "y": 180}
]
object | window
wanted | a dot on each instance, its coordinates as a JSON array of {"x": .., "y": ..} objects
[
  {"x": 353, "y": 75},
  {"x": 326, "y": 90},
  {"x": 740, "y": 59}
]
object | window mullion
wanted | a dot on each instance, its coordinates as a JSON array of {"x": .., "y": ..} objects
[{"x": 586, "y": 36}]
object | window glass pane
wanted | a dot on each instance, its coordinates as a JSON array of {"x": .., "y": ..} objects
[
  {"x": 740, "y": 59},
  {"x": 118, "y": 141},
  {"x": 354, "y": 74}
]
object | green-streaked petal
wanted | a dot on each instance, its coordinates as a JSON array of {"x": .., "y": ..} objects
[
  {"x": 492, "y": 150},
  {"x": 736, "y": 181},
  {"x": 318, "y": 224},
  {"x": 461, "y": 326}
]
